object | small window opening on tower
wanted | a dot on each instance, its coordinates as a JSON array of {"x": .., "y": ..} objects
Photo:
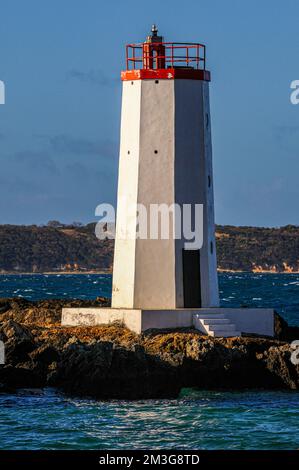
[{"x": 211, "y": 247}]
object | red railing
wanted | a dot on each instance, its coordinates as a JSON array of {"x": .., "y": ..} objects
[{"x": 165, "y": 55}]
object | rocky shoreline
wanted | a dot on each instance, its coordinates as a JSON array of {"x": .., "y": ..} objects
[{"x": 111, "y": 362}]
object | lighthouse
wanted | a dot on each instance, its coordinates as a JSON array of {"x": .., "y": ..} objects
[
  {"x": 165, "y": 160},
  {"x": 160, "y": 280}
]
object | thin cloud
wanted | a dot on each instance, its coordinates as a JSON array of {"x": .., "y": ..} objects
[
  {"x": 20, "y": 186},
  {"x": 287, "y": 138},
  {"x": 77, "y": 170},
  {"x": 36, "y": 160},
  {"x": 94, "y": 77},
  {"x": 64, "y": 143}
]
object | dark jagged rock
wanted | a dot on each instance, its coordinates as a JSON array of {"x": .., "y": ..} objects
[
  {"x": 18, "y": 341},
  {"x": 107, "y": 370},
  {"x": 283, "y": 331},
  {"x": 25, "y": 375},
  {"x": 4, "y": 306},
  {"x": 112, "y": 362}
]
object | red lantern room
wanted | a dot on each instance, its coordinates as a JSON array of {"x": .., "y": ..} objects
[{"x": 155, "y": 58}]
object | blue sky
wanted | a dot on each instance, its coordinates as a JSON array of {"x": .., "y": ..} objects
[{"x": 59, "y": 129}]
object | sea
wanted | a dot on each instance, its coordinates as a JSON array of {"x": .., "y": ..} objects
[{"x": 253, "y": 419}]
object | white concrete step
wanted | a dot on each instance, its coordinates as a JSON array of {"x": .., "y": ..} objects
[
  {"x": 225, "y": 333},
  {"x": 227, "y": 326},
  {"x": 225, "y": 330},
  {"x": 215, "y": 321},
  {"x": 216, "y": 325},
  {"x": 209, "y": 315}
]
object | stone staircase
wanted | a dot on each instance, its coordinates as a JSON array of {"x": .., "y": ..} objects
[{"x": 215, "y": 324}]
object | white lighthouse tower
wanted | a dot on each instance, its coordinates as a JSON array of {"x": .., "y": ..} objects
[
  {"x": 165, "y": 159},
  {"x": 166, "y": 162}
]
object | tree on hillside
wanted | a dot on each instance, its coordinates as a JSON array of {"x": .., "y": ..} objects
[{"x": 54, "y": 224}]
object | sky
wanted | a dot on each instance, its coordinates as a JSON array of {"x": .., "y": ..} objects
[{"x": 59, "y": 128}]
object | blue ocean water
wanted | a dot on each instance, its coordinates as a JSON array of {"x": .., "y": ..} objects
[
  {"x": 46, "y": 419},
  {"x": 279, "y": 291}
]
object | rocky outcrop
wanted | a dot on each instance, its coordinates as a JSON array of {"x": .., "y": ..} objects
[
  {"x": 43, "y": 313},
  {"x": 112, "y": 362}
]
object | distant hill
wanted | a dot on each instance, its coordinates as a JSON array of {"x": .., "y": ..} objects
[
  {"x": 258, "y": 249},
  {"x": 58, "y": 247},
  {"x": 53, "y": 248}
]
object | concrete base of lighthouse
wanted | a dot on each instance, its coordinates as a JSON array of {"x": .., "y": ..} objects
[{"x": 223, "y": 322}]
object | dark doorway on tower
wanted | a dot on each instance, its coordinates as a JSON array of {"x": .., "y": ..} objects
[{"x": 191, "y": 278}]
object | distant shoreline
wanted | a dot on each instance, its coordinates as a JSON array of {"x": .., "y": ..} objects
[
  {"x": 220, "y": 270},
  {"x": 54, "y": 273},
  {"x": 76, "y": 250},
  {"x": 259, "y": 271}
]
